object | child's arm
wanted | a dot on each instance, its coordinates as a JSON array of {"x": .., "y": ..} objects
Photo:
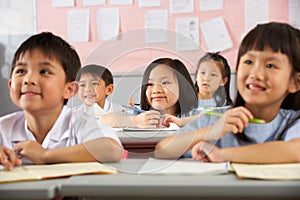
[
  {"x": 8, "y": 158},
  {"x": 148, "y": 119},
  {"x": 233, "y": 120},
  {"x": 101, "y": 149},
  {"x": 269, "y": 152},
  {"x": 180, "y": 121}
]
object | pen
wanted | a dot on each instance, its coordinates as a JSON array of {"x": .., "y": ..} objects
[
  {"x": 138, "y": 110},
  {"x": 251, "y": 120}
]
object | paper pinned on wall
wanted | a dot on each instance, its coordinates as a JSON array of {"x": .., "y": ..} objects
[
  {"x": 187, "y": 33},
  {"x": 120, "y": 2},
  {"x": 181, "y": 6},
  {"x": 62, "y": 3},
  {"x": 216, "y": 35},
  {"x": 93, "y": 2},
  {"x": 256, "y": 12},
  {"x": 294, "y": 14},
  {"x": 78, "y": 25},
  {"x": 206, "y": 5},
  {"x": 149, "y": 3},
  {"x": 156, "y": 26},
  {"x": 108, "y": 23}
]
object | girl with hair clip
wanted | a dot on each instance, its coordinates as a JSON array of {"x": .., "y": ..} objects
[
  {"x": 167, "y": 89},
  {"x": 267, "y": 51}
]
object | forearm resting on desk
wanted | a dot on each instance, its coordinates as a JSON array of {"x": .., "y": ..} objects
[
  {"x": 101, "y": 150},
  {"x": 175, "y": 146},
  {"x": 269, "y": 152}
]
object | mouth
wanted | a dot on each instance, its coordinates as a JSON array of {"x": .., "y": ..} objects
[
  {"x": 30, "y": 93},
  {"x": 89, "y": 96},
  {"x": 157, "y": 98},
  {"x": 255, "y": 87}
]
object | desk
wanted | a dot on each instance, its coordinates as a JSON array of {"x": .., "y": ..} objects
[
  {"x": 141, "y": 144},
  {"x": 45, "y": 189},
  {"x": 129, "y": 185}
]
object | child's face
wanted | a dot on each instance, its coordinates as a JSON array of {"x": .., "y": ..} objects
[
  {"x": 264, "y": 78},
  {"x": 92, "y": 90},
  {"x": 209, "y": 79},
  {"x": 38, "y": 83},
  {"x": 163, "y": 89}
]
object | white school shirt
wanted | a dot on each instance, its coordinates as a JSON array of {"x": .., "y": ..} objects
[
  {"x": 96, "y": 111},
  {"x": 71, "y": 128},
  {"x": 256, "y": 133}
]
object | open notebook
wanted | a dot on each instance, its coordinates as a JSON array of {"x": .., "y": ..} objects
[
  {"x": 289, "y": 171},
  {"x": 182, "y": 166},
  {"x": 39, "y": 172}
]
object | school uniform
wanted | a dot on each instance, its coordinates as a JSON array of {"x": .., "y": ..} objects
[
  {"x": 71, "y": 128},
  {"x": 256, "y": 133}
]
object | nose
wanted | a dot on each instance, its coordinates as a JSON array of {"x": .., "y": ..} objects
[
  {"x": 157, "y": 88},
  {"x": 30, "y": 79},
  {"x": 257, "y": 72},
  {"x": 89, "y": 87}
]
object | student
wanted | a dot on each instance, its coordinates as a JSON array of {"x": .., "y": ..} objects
[
  {"x": 42, "y": 80},
  {"x": 213, "y": 81},
  {"x": 95, "y": 85},
  {"x": 269, "y": 50},
  {"x": 212, "y": 85},
  {"x": 167, "y": 89}
]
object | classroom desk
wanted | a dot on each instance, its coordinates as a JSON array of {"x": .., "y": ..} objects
[
  {"x": 129, "y": 185},
  {"x": 141, "y": 144},
  {"x": 45, "y": 189}
]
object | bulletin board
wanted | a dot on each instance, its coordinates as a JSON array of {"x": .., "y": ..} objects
[{"x": 130, "y": 53}]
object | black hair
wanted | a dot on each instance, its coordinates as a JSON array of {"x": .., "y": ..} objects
[
  {"x": 280, "y": 37},
  {"x": 53, "y": 47},
  {"x": 187, "y": 99},
  {"x": 96, "y": 71},
  {"x": 222, "y": 95}
]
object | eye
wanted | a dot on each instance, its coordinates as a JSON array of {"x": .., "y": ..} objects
[
  {"x": 20, "y": 71},
  {"x": 214, "y": 75},
  {"x": 45, "y": 71},
  {"x": 95, "y": 83},
  {"x": 202, "y": 73},
  {"x": 248, "y": 62},
  {"x": 81, "y": 85},
  {"x": 166, "y": 83},
  {"x": 271, "y": 66},
  {"x": 149, "y": 84}
]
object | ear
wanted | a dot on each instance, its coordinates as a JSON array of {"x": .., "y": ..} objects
[
  {"x": 294, "y": 85},
  {"x": 224, "y": 81},
  {"x": 9, "y": 84},
  {"x": 109, "y": 89},
  {"x": 71, "y": 89}
]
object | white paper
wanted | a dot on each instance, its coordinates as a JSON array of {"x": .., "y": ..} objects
[
  {"x": 294, "y": 14},
  {"x": 93, "y": 2},
  {"x": 121, "y": 2},
  {"x": 256, "y": 12},
  {"x": 156, "y": 26},
  {"x": 182, "y": 166},
  {"x": 63, "y": 3},
  {"x": 181, "y": 6},
  {"x": 149, "y": 3},
  {"x": 206, "y": 5},
  {"x": 78, "y": 25},
  {"x": 108, "y": 23},
  {"x": 216, "y": 35},
  {"x": 187, "y": 33}
]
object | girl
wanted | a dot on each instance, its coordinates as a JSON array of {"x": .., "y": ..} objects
[
  {"x": 213, "y": 81},
  {"x": 167, "y": 88},
  {"x": 212, "y": 85},
  {"x": 269, "y": 50}
]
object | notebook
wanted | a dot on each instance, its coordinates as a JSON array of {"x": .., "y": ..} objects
[{"x": 39, "y": 172}]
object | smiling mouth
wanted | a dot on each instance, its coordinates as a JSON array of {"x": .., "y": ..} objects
[{"x": 255, "y": 87}]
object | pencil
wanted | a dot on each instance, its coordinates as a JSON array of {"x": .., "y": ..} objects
[{"x": 251, "y": 120}]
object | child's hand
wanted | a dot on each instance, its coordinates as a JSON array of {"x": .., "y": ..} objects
[
  {"x": 172, "y": 119},
  {"x": 8, "y": 158},
  {"x": 31, "y": 150},
  {"x": 207, "y": 152},
  {"x": 148, "y": 119},
  {"x": 233, "y": 120},
  {"x": 130, "y": 102}
]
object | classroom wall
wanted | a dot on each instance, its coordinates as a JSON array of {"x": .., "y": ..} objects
[{"x": 127, "y": 56}]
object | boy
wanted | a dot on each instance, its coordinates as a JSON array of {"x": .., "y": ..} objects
[
  {"x": 42, "y": 80},
  {"x": 95, "y": 85}
]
